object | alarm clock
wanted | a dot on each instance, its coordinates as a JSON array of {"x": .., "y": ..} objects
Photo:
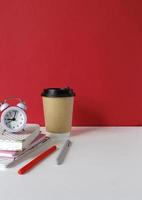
[{"x": 13, "y": 118}]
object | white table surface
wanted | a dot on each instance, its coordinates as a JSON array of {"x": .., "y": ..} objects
[{"x": 104, "y": 163}]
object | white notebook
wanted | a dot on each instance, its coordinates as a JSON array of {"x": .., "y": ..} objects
[
  {"x": 18, "y": 141},
  {"x": 38, "y": 148},
  {"x": 14, "y": 154}
]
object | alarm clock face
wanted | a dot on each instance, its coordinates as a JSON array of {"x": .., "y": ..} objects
[{"x": 13, "y": 119}]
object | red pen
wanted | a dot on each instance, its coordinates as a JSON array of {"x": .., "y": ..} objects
[{"x": 36, "y": 160}]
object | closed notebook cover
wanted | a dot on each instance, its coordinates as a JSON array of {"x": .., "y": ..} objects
[{"x": 18, "y": 141}]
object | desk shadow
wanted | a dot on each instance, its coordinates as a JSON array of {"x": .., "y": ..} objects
[{"x": 82, "y": 130}]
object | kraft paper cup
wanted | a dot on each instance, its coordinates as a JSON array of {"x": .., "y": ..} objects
[{"x": 58, "y": 109}]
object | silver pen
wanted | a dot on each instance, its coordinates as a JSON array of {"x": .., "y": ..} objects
[{"x": 63, "y": 152}]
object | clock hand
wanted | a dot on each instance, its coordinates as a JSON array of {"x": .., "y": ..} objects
[
  {"x": 14, "y": 115},
  {"x": 13, "y": 119},
  {"x": 10, "y": 114}
]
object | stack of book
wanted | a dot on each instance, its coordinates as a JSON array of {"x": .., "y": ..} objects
[{"x": 16, "y": 145}]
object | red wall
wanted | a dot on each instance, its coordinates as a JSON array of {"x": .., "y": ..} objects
[{"x": 94, "y": 46}]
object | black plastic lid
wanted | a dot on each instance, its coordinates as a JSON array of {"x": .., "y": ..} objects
[{"x": 58, "y": 92}]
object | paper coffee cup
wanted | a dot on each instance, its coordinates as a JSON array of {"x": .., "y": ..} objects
[{"x": 58, "y": 109}]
